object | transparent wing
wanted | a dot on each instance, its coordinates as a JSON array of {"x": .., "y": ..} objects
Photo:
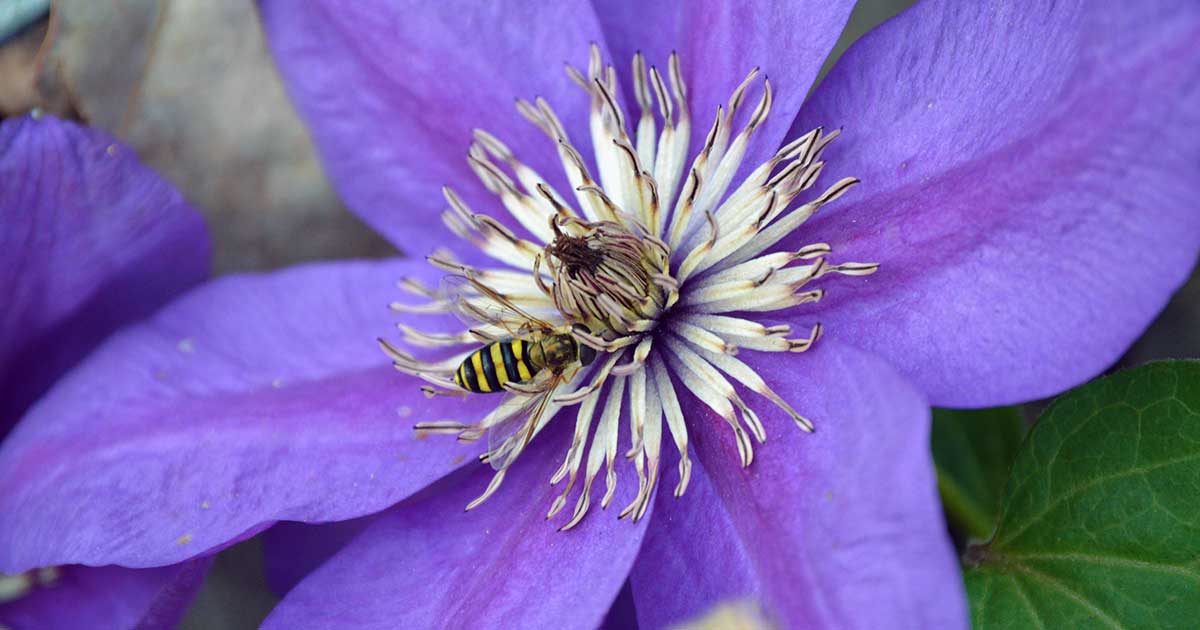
[
  {"x": 510, "y": 435},
  {"x": 480, "y": 307},
  {"x": 507, "y": 417}
]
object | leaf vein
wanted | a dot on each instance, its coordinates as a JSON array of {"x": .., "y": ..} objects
[
  {"x": 1071, "y": 594},
  {"x": 1037, "y": 619},
  {"x": 1112, "y": 561},
  {"x": 1092, "y": 484}
]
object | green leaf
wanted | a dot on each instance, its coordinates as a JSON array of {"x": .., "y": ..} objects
[
  {"x": 1101, "y": 520},
  {"x": 973, "y": 451}
]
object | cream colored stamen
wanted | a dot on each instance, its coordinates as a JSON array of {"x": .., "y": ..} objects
[{"x": 658, "y": 271}]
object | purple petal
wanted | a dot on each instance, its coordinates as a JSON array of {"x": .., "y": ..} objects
[
  {"x": 427, "y": 564},
  {"x": 90, "y": 240},
  {"x": 621, "y": 615},
  {"x": 391, "y": 92},
  {"x": 108, "y": 597},
  {"x": 250, "y": 400},
  {"x": 1029, "y": 184},
  {"x": 293, "y": 550},
  {"x": 838, "y": 529},
  {"x": 719, "y": 42}
]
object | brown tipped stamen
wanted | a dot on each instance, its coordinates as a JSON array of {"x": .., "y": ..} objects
[{"x": 644, "y": 277}]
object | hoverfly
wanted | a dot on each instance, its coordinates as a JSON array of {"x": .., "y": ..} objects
[
  {"x": 530, "y": 361},
  {"x": 518, "y": 360}
]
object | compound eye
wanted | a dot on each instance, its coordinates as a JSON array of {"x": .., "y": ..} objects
[{"x": 587, "y": 354}]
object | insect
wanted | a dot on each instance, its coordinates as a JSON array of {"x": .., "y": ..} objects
[
  {"x": 490, "y": 368},
  {"x": 530, "y": 363}
]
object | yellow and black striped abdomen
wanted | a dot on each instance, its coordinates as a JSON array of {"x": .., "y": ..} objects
[{"x": 487, "y": 369}]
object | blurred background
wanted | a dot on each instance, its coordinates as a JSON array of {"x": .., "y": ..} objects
[{"x": 189, "y": 85}]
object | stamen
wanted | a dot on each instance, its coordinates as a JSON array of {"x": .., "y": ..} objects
[
  {"x": 584, "y": 393},
  {"x": 675, "y": 422},
  {"x": 570, "y": 467},
  {"x": 640, "y": 353},
  {"x": 624, "y": 268},
  {"x": 713, "y": 399},
  {"x": 603, "y": 450}
]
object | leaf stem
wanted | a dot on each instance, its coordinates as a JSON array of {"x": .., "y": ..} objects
[{"x": 962, "y": 511}]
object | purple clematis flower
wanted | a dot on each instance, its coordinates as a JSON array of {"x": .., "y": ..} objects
[
  {"x": 90, "y": 240},
  {"x": 1028, "y": 217}
]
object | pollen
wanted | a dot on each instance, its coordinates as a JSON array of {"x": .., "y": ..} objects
[{"x": 654, "y": 264}]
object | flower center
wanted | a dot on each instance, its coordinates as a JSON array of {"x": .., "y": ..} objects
[
  {"x": 606, "y": 277},
  {"x": 577, "y": 255},
  {"x": 575, "y": 313}
]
